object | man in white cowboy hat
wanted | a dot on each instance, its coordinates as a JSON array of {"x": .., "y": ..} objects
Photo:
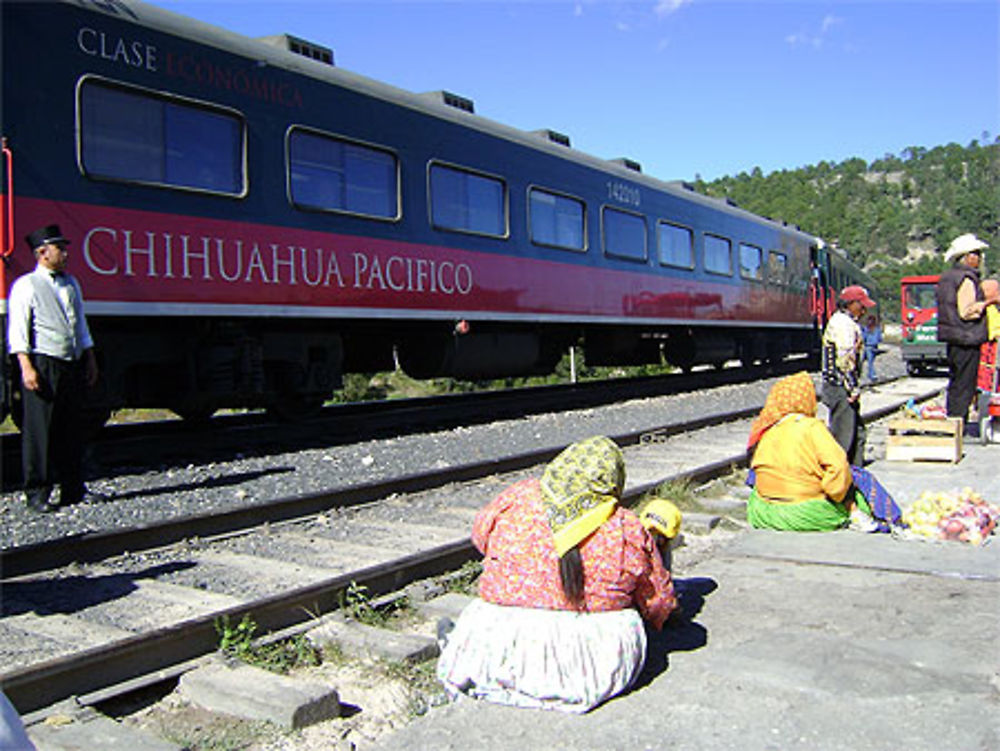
[{"x": 961, "y": 320}]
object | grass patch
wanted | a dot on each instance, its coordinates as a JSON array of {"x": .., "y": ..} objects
[
  {"x": 465, "y": 581},
  {"x": 358, "y": 605},
  {"x": 681, "y": 493},
  {"x": 280, "y": 656}
]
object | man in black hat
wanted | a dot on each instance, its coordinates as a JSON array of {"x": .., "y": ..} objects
[{"x": 48, "y": 333}]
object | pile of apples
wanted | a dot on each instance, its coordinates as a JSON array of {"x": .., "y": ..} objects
[{"x": 964, "y": 516}]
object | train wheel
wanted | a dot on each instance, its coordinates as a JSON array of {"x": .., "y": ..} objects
[
  {"x": 93, "y": 419},
  {"x": 295, "y": 408},
  {"x": 194, "y": 413}
]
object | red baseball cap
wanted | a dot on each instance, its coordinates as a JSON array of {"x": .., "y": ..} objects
[{"x": 857, "y": 293}]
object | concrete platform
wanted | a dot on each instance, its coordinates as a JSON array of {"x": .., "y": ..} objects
[{"x": 830, "y": 642}]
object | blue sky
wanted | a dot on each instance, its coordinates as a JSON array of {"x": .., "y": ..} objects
[{"x": 684, "y": 87}]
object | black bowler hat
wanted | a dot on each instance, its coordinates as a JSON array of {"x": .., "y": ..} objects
[{"x": 50, "y": 234}]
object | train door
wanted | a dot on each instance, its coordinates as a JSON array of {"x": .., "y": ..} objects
[{"x": 819, "y": 289}]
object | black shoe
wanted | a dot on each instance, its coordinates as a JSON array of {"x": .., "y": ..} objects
[{"x": 38, "y": 500}]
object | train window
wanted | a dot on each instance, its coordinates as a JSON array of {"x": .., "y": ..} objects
[
  {"x": 676, "y": 245},
  {"x": 334, "y": 174},
  {"x": 556, "y": 220},
  {"x": 465, "y": 201},
  {"x": 751, "y": 262},
  {"x": 777, "y": 267},
  {"x": 624, "y": 234},
  {"x": 135, "y": 135},
  {"x": 718, "y": 255}
]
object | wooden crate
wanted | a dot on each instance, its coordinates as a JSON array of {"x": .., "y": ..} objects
[{"x": 912, "y": 440}]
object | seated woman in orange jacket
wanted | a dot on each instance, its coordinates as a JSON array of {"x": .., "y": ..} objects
[{"x": 802, "y": 476}]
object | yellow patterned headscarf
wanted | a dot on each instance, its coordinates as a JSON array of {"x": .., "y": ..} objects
[
  {"x": 794, "y": 393},
  {"x": 580, "y": 489}
]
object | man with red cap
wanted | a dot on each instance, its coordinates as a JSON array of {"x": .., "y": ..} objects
[{"x": 843, "y": 345}]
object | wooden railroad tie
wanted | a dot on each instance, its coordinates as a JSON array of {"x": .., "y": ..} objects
[{"x": 913, "y": 440}]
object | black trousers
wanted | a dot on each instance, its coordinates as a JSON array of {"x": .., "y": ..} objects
[
  {"x": 963, "y": 366},
  {"x": 846, "y": 425},
  {"x": 51, "y": 430}
]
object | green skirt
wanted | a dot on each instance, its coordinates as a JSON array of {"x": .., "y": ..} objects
[{"x": 818, "y": 515}]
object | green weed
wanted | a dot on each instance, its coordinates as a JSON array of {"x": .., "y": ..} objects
[
  {"x": 464, "y": 581},
  {"x": 279, "y": 656},
  {"x": 357, "y": 604}
]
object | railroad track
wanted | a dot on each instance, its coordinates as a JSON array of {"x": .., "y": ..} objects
[{"x": 137, "y": 605}]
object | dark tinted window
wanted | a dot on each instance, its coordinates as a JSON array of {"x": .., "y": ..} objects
[
  {"x": 337, "y": 175},
  {"x": 624, "y": 234},
  {"x": 676, "y": 245},
  {"x": 467, "y": 201},
  {"x": 718, "y": 255},
  {"x": 128, "y": 134},
  {"x": 556, "y": 220}
]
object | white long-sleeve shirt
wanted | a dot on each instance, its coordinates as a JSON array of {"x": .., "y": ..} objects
[{"x": 45, "y": 316}]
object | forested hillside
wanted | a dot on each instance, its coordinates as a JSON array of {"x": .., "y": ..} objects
[{"x": 894, "y": 216}]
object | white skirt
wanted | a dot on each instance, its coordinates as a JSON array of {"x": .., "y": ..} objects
[{"x": 547, "y": 659}]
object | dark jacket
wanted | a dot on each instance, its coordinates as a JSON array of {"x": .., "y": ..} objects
[{"x": 951, "y": 328}]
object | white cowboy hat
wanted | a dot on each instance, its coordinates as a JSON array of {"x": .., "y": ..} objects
[{"x": 963, "y": 244}]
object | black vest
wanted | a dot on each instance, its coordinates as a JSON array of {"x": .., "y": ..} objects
[{"x": 951, "y": 328}]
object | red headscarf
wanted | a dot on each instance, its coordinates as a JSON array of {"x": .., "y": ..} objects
[{"x": 792, "y": 394}]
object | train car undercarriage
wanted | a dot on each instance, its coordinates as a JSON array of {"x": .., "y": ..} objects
[{"x": 198, "y": 366}]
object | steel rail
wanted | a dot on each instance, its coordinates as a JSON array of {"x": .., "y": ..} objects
[
  {"x": 95, "y": 546},
  {"x": 46, "y": 683}
]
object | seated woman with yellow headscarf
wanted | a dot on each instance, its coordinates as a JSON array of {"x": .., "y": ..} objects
[{"x": 568, "y": 578}]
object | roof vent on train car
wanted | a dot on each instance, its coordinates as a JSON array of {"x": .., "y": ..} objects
[
  {"x": 452, "y": 100},
  {"x": 300, "y": 47},
  {"x": 628, "y": 163},
  {"x": 553, "y": 135}
]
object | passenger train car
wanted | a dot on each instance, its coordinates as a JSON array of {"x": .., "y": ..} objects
[{"x": 249, "y": 222}]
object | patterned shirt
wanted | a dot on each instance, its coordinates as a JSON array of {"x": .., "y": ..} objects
[
  {"x": 621, "y": 565},
  {"x": 842, "y": 345}
]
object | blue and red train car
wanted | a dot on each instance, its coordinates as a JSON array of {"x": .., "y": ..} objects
[{"x": 249, "y": 222}]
